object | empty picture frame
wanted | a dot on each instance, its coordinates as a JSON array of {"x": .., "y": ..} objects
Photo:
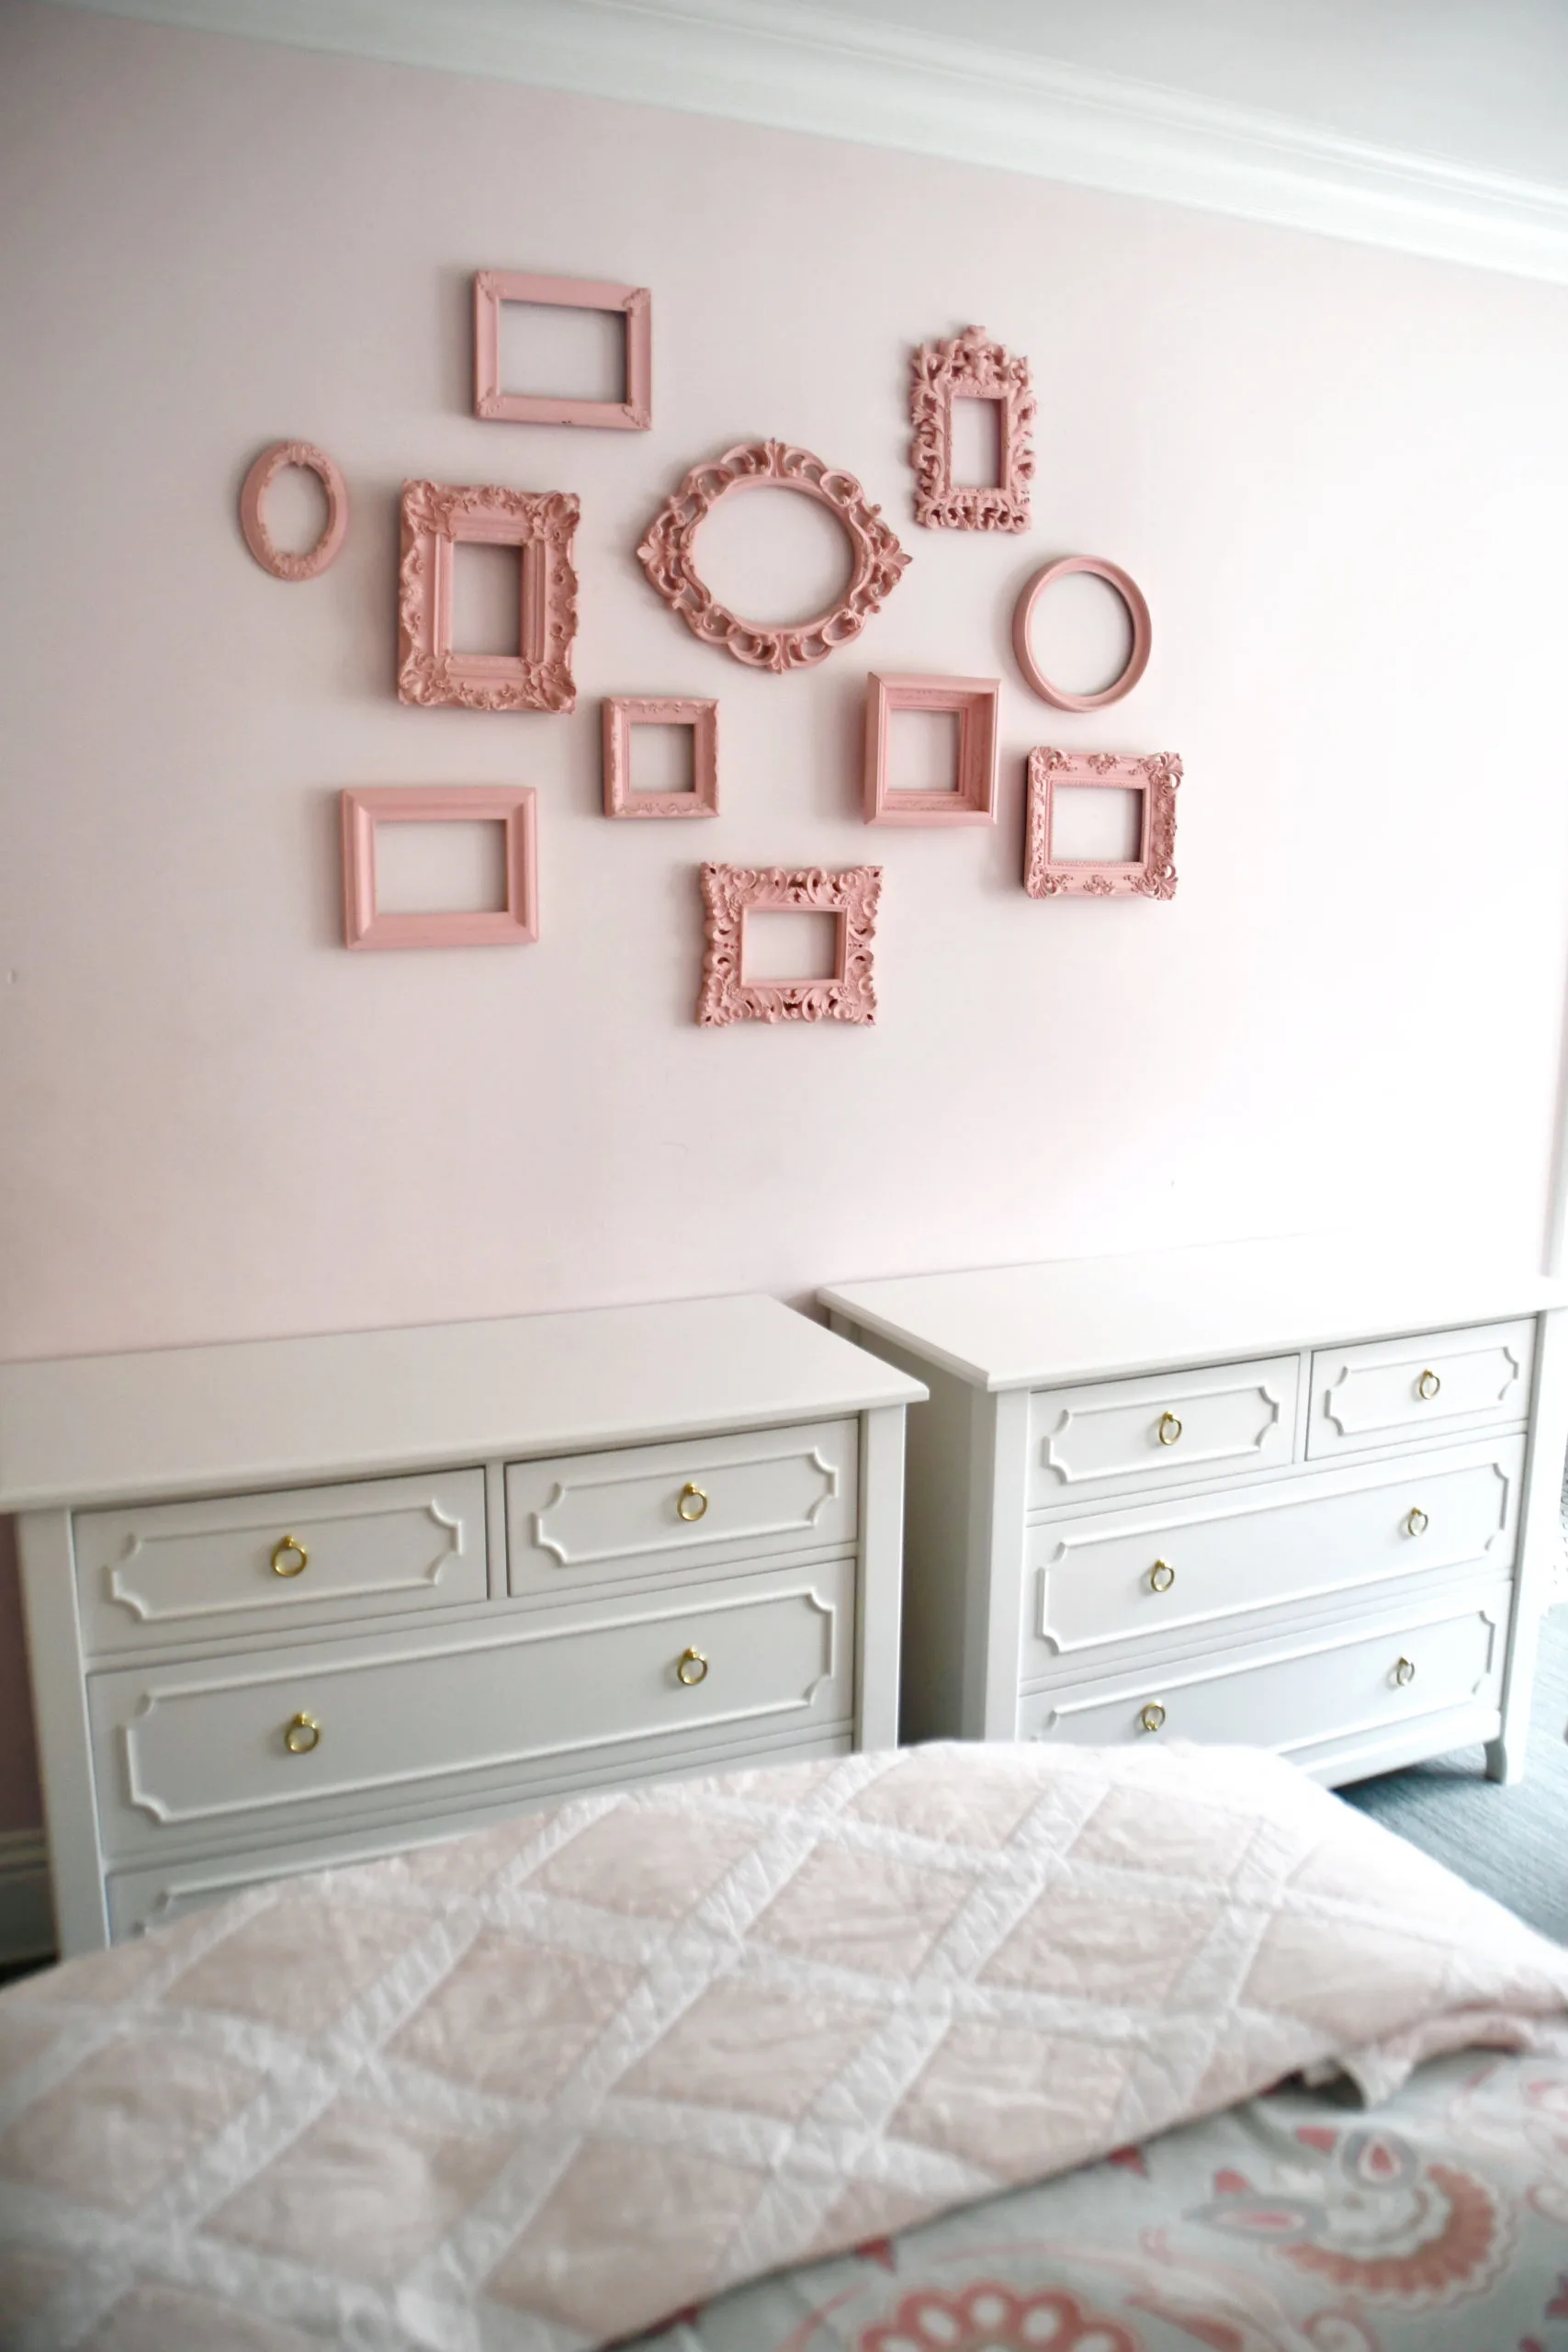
[
  {"x": 1152, "y": 875},
  {"x": 363, "y": 923},
  {"x": 253, "y": 510},
  {"x": 970, "y": 367},
  {"x": 731, "y": 892},
  {"x": 973, "y": 701},
  {"x": 437, "y": 518},
  {"x": 622, "y": 713},
  {"x": 635, "y": 304},
  {"x": 1131, "y": 596}
]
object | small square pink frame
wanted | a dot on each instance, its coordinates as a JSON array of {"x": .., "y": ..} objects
[
  {"x": 731, "y": 892},
  {"x": 1152, "y": 875},
  {"x": 622, "y": 713},
  {"x": 363, "y": 924},
  {"x": 973, "y": 701},
  {"x": 494, "y": 287}
]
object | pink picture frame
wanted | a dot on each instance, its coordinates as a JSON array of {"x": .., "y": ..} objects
[
  {"x": 1131, "y": 596},
  {"x": 366, "y": 925},
  {"x": 731, "y": 892},
  {"x": 1152, "y": 875},
  {"x": 635, "y": 304},
  {"x": 253, "y": 510},
  {"x": 970, "y": 367},
  {"x": 973, "y": 702},
  {"x": 666, "y": 555},
  {"x": 437, "y": 518},
  {"x": 622, "y": 713}
]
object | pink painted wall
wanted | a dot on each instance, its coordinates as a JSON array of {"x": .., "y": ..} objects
[{"x": 1340, "y": 477}]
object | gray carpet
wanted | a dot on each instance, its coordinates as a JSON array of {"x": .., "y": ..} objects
[{"x": 1511, "y": 1842}]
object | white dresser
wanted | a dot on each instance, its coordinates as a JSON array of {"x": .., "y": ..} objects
[
  {"x": 304, "y": 1600},
  {"x": 1300, "y": 1495}
]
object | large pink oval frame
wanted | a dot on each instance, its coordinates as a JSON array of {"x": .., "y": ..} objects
[
  {"x": 252, "y": 522},
  {"x": 1131, "y": 596},
  {"x": 665, "y": 555}
]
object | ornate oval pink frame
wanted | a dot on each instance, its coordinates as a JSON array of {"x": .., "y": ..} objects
[
  {"x": 252, "y": 522},
  {"x": 1131, "y": 596},
  {"x": 665, "y": 555}
]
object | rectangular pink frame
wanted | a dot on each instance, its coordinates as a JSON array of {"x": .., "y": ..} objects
[
  {"x": 1152, "y": 875},
  {"x": 731, "y": 892},
  {"x": 437, "y": 518},
  {"x": 973, "y": 702},
  {"x": 494, "y": 287},
  {"x": 622, "y": 713},
  {"x": 364, "y": 925}
]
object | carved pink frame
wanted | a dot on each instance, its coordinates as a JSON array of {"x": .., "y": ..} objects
[
  {"x": 494, "y": 287},
  {"x": 973, "y": 702},
  {"x": 665, "y": 555},
  {"x": 969, "y": 367},
  {"x": 1137, "y": 613},
  {"x": 731, "y": 892},
  {"x": 364, "y": 925},
  {"x": 1152, "y": 875},
  {"x": 622, "y": 713},
  {"x": 541, "y": 525},
  {"x": 253, "y": 521}
]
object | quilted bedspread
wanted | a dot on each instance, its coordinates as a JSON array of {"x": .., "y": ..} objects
[{"x": 545, "y": 2085}]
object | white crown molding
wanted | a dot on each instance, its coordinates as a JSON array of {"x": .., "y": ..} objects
[{"x": 799, "y": 68}]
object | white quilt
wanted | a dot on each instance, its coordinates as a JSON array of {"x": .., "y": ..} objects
[{"x": 543, "y": 2086}]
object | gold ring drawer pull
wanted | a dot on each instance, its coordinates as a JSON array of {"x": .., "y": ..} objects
[
  {"x": 303, "y": 1734},
  {"x": 1151, "y": 1718},
  {"x": 691, "y": 1667},
  {"x": 1170, "y": 1428},
  {"x": 1404, "y": 1671},
  {"x": 1427, "y": 1387},
  {"x": 289, "y": 1557},
  {"x": 1162, "y": 1576},
  {"x": 690, "y": 1503},
  {"x": 1416, "y": 1521}
]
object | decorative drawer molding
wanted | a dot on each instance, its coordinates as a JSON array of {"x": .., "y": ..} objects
[
  {"x": 1431, "y": 1386},
  {"x": 1124, "y": 1434},
  {"x": 190, "y": 1571}
]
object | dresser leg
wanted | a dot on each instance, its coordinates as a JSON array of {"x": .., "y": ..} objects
[{"x": 1506, "y": 1760}]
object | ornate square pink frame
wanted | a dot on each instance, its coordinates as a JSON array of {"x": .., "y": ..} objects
[
  {"x": 622, "y": 713},
  {"x": 364, "y": 925},
  {"x": 539, "y": 524},
  {"x": 731, "y": 892},
  {"x": 1152, "y": 875},
  {"x": 494, "y": 287},
  {"x": 973, "y": 703},
  {"x": 970, "y": 368}
]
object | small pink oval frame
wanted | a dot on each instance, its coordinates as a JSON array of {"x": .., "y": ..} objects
[
  {"x": 1131, "y": 596},
  {"x": 259, "y": 539}
]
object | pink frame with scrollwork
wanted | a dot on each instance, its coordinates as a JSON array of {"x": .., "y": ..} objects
[
  {"x": 1152, "y": 875},
  {"x": 264, "y": 472},
  {"x": 365, "y": 925},
  {"x": 635, "y": 304},
  {"x": 622, "y": 713},
  {"x": 731, "y": 892},
  {"x": 970, "y": 367},
  {"x": 973, "y": 701},
  {"x": 437, "y": 518}
]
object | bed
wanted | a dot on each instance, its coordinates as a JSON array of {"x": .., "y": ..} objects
[{"x": 952, "y": 2048}]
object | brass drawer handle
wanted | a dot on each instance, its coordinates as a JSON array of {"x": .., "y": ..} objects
[
  {"x": 1404, "y": 1671},
  {"x": 1170, "y": 1428},
  {"x": 1151, "y": 1718},
  {"x": 287, "y": 1548},
  {"x": 691, "y": 1667},
  {"x": 690, "y": 1493},
  {"x": 1162, "y": 1576},
  {"x": 1427, "y": 1386},
  {"x": 303, "y": 1734},
  {"x": 1416, "y": 1521}
]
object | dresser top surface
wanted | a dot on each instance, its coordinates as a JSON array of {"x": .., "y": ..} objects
[
  {"x": 1095, "y": 1319},
  {"x": 166, "y": 1421}
]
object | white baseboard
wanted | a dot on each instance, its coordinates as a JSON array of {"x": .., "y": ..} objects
[{"x": 27, "y": 1912}]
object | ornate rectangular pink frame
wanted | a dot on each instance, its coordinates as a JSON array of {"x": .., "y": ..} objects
[
  {"x": 364, "y": 925},
  {"x": 622, "y": 713},
  {"x": 973, "y": 703},
  {"x": 437, "y": 518},
  {"x": 1152, "y": 875},
  {"x": 494, "y": 287},
  {"x": 731, "y": 892},
  {"x": 970, "y": 367}
]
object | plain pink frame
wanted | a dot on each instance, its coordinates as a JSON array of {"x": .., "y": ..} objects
[
  {"x": 1131, "y": 596},
  {"x": 622, "y": 713},
  {"x": 511, "y": 927},
  {"x": 253, "y": 520},
  {"x": 494, "y": 287},
  {"x": 973, "y": 702},
  {"x": 1152, "y": 875}
]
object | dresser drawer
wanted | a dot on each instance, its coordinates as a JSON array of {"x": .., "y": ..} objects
[
  {"x": 1114, "y": 1435},
  {"x": 1155, "y": 1567},
  {"x": 1426, "y": 1388},
  {"x": 182, "y": 1747},
  {"x": 1290, "y": 1695},
  {"x": 590, "y": 1519},
  {"x": 183, "y": 1572}
]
